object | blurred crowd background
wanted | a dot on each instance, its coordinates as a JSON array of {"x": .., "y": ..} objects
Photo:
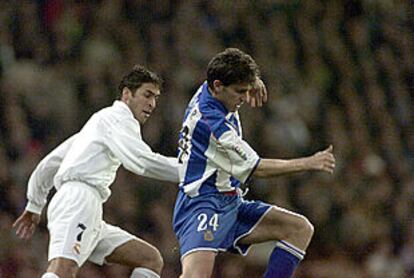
[{"x": 338, "y": 72}]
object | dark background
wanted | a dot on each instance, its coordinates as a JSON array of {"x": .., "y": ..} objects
[{"x": 337, "y": 72}]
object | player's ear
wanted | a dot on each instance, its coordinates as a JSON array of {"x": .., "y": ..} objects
[
  {"x": 217, "y": 86},
  {"x": 126, "y": 94}
]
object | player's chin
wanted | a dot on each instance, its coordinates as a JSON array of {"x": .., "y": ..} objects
[{"x": 142, "y": 119}]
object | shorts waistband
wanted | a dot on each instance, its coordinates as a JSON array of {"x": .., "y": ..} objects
[
  {"x": 230, "y": 193},
  {"x": 82, "y": 185}
]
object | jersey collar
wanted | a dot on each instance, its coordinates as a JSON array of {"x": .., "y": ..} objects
[
  {"x": 208, "y": 99},
  {"x": 123, "y": 108}
]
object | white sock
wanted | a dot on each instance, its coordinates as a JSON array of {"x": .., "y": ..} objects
[
  {"x": 49, "y": 275},
  {"x": 289, "y": 247},
  {"x": 141, "y": 272}
]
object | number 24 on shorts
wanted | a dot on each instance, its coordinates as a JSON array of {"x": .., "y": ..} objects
[{"x": 204, "y": 222}]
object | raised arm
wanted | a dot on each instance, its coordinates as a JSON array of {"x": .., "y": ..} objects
[{"x": 257, "y": 95}]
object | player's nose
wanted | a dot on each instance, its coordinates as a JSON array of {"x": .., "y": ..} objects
[{"x": 152, "y": 103}]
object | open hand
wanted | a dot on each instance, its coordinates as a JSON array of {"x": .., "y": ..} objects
[
  {"x": 26, "y": 224},
  {"x": 323, "y": 160},
  {"x": 257, "y": 94}
]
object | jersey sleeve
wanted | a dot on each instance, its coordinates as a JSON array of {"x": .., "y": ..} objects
[
  {"x": 233, "y": 155},
  {"x": 124, "y": 140},
  {"x": 41, "y": 179},
  {"x": 228, "y": 150}
]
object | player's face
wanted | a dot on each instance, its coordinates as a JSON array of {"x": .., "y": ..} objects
[
  {"x": 143, "y": 102},
  {"x": 232, "y": 96}
]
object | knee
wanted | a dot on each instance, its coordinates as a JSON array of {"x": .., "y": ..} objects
[
  {"x": 305, "y": 227},
  {"x": 153, "y": 260},
  {"x": 63, "y": 268}
]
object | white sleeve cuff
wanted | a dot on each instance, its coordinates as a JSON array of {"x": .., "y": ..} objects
[{"x": 35, "y": 208}]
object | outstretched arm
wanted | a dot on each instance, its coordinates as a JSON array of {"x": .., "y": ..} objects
[
  {"x": 124, "y": 140},
  {"x": 322, "y": 161}
]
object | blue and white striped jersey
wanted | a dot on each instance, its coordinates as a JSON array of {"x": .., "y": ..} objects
[{"x": 211, "y": 148}]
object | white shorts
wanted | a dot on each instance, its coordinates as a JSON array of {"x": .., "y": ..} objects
[{"x": 77, "y": 230}]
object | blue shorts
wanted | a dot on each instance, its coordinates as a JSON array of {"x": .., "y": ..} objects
[{"x": 215, "y": 222}]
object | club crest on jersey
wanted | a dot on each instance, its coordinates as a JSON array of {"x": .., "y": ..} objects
[
  {"x": 76, "y": 248},
  {"x": 208, "y": 235},
  {"x": 239, "y": 150},
  {"x": 194, "y": 113}
]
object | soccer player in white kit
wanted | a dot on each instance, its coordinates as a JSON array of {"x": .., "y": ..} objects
[{"x": 82, "y": 169}]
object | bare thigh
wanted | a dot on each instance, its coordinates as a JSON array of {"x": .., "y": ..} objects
[
  {"x": 137, "y": 253},
  {"x": 64, "y": 268},
  {"x": 198, "y": 264},
  {"x": 281, "y": 224}
]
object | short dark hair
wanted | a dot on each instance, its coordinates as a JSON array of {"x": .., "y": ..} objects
[
  {"x": 232, "y": 66},
  {"x": 139, "y": 75}
]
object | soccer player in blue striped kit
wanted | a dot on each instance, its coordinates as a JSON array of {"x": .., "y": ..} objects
[{"x": 210, "y": 213}]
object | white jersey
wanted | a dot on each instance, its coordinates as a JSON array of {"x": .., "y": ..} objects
[{"x": 111, "y": 137}]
